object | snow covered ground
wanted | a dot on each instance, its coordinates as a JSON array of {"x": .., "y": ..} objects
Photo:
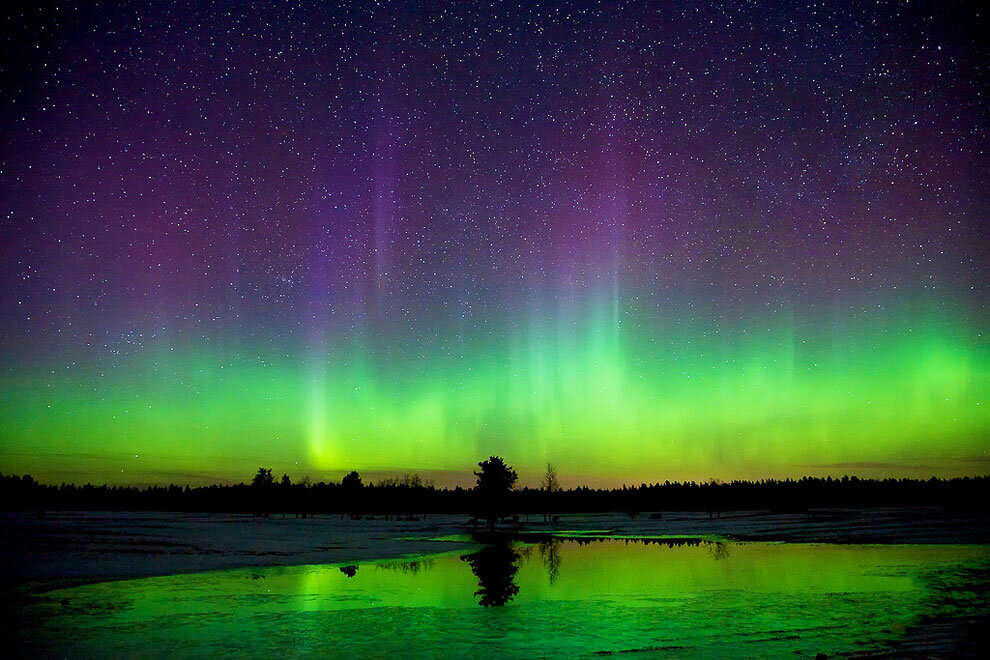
[{"x": 98, "y": 545}]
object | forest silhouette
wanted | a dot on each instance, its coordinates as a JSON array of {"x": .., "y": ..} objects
[{"x": 494, "y": 497}]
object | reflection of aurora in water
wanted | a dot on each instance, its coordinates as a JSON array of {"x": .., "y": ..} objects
[
  {"x": 586, "y": 538},
  {"x": 549, "y": 545},
  {"x": 770, "y": 599}
]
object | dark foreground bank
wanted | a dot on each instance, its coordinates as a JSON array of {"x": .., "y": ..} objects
[{"x": 410, "y": 497}]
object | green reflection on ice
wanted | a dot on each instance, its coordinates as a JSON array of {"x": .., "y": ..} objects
[{"x": 559, "y": 597}]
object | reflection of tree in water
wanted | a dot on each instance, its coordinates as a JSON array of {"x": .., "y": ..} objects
[
  {"x": 716, "y": 547},
  {"x": 550, "y": 549},
  {"x": 413, "y": 567},
  {"x": 718, "y": 550},
  {"x": 349, "y": 571},
  {"x": 550, "y": 554},
  {"x": 494, "y": 566},
  {"x": 669, "y": 542}
]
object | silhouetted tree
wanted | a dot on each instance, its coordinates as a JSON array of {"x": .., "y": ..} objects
[
  {"x": 550, "y": 485},
  {"x": 494, "y": 566},
  {"x": 405, "y": 481},
  {"x": 495, "y": 476},
  {"x": 351, "y": 487},
  {"x": 262, "y": 483},
  {"x": 495, "y": 481},
  {"x": 550, "y": 482},
  {"x": 352, "y": 481},
  {"x": 263, "y": 478},
  {"x": 286, "y": 481}
]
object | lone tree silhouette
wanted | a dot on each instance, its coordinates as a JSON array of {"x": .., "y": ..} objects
[
  {"x": 550, "y": 485},
  {"x": 495, "y": 480}
]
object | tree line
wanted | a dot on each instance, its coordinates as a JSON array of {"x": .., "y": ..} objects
[{"x": 494, "y": 496}]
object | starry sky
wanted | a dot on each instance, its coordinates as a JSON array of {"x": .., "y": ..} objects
[{"x": 643, "y": 241}]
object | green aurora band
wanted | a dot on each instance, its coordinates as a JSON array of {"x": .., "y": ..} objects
[{"x": 609, "y": 398}]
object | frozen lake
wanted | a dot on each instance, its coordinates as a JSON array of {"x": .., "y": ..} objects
[{"x": 560, "y": 598}]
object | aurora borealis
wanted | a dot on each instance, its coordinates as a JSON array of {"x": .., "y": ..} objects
[{"x": 644, "y": 242}]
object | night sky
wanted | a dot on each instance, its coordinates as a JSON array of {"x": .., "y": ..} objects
[{"x": 644, "y": 241}]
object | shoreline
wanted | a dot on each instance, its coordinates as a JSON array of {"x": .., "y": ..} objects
[{"x": 102, "y": 546}]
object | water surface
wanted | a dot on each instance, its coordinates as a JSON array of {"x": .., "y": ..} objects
[{"x": 562, "y": 598}]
